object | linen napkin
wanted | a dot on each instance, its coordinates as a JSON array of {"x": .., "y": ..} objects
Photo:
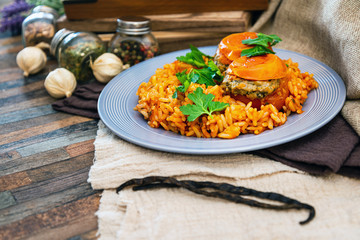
[
  {"x": 180, "y": 214},
  {"x": 83, "y": 101}
]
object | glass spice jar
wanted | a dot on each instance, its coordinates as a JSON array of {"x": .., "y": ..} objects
[
  {"x": 133, "y": 41},
  {"x": 39, "y": 26},
  {"x": 74, "y": 50}
]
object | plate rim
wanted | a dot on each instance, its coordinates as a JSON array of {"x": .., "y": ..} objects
[{"x": 196, "y": 151}]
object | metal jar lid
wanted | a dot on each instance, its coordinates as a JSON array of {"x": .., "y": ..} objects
[
  {"x": 133, "y": 25},
  {"x": 59, "y": 36},
  {"x": 46, "y": 9}
]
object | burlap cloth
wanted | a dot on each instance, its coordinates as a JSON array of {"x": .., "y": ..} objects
[{"x": 326, "y": 30}]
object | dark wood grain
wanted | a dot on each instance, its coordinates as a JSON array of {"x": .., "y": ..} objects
[
  {"x": 45, "y": 157},
  {"x": 61, "y": 222},
  {"x": 116, "y": 8},
  {"x": 205, "y": 22}
]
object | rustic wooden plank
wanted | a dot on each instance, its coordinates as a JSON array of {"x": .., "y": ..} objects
[
  {"x": 15, "y": 180},
  {"x": 37, "y": 189},
  {"x": 18, "y": 80},
  {"x": 10, "y": 45},
  {"x": 10, "y": 41},
  {"x": 185, "y": 44},
  {"x": 60, "y": 168},
  {"x": 60, "y": 138},
  {"x": 13, "y": 49},
  {"x": 115, "y": 8},
  {"x": 26, "y": 114},
  {"x": 26, "y": 104},
  {"x": 219, "y": 22},
  {"x": 24, "y": 122},
  {"x": 80, "y": 148},
  {"x": 14, "y": 165},
  {"x": 8, "y": 156},
  {"x": 23, "y": 89},
  {"x": 166, "y": 37},
  {"x": 215, "y": 22},
  {"x": 8, "y": 60},
  {"x": 56, "y": 217},
  {"x": 20, "y": 211},
  {"x": 6, "y": 199},
  {"x": 9, "y": 74},
  {"x": 47, "y": 171},
  {"x": 24, "y": 96},
  {"x": 173, "y": 41},
  {"x": 41, "y": 129},
  {"x": 72, "y": 228},
  {"x": 53, "y": 185}
]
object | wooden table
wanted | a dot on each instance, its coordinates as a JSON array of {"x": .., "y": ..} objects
[{"x": 45, "y": 157}]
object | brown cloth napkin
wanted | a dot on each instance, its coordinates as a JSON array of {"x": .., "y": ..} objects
[
  {"x": 83, "y": 102},
  {"x": 335, "y": 147}
]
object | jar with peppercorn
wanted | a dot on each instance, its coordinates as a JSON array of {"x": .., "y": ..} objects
[
  {"x": 74, "y": 51},
  {"x": 133, "y": 41},
  {"x": 39, "y": 26}
]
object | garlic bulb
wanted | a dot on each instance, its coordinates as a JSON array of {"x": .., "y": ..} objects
[
  {"x": 107, "y": 66},
  {"x": 60, "y": 83},
  {"x": 31, "y": 60}
]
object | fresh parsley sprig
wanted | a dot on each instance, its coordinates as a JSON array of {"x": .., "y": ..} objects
[
  {"x": 256, "y": 51},
  {"x": 195, "y": 57},
  {"x": 203, "y": 104},
  {"x": 204, "y": 73},
  {"x": 202, "y": 76},
  {"x": 186, "y": 79},
  {"x": 262, "y": 42}
]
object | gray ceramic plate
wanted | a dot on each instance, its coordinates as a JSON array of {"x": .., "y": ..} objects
[{"x": 118, "y": 99}]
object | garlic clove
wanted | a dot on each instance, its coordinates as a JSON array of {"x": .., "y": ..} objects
[
  {"x": 31, "y": 60},
  {"x": 106, "y": 67},
  {"x": 60, "y": 83}
]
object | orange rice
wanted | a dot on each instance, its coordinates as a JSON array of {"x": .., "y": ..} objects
[{"x": 161, "y": 110}]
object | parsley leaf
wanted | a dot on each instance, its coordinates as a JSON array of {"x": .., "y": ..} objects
[
  {"x": 205, "y": 76},
  {"x": 262, "y": 42},
  {"x": 256, "y": 51},
  {"x": 203, "y": 104},
  {"x": 185, "y": 80},
  {"x": 204, "y": 73},
  {"x": 202, "y": 76},
  {"x": 195, "y": 57}
]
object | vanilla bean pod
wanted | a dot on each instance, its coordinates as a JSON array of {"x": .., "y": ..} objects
[
  {"x": 223, "y": 191},
  {"x": 289, "y": 203}
]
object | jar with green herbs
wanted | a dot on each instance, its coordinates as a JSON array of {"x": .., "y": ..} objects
[
  {"x": 39, "y": 26},
  {"x": 133, "y": 41},
  {"x": 74, "y": 50}
]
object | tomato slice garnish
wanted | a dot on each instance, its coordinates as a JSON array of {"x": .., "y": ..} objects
[
  {"x": 231, "y": 46},
  {"x": 262, "y": 67}
]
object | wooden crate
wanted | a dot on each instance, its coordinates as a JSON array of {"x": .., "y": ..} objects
[
  {"x": 173, "y": 41},
  {"x": 174, "y": 31},
  {"x": 233, "y": 21},
  {"x": 94, "y": 9}
]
